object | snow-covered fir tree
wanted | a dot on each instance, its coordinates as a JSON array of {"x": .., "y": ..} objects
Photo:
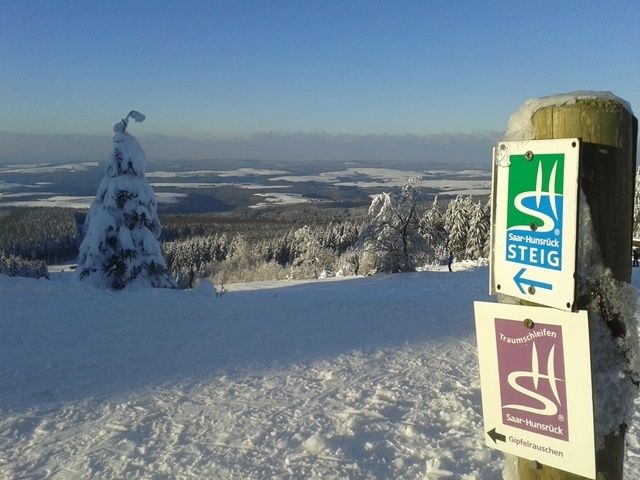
[
  {"x": 121, "y": 247},
  {"x": 456, "y": 222},
  {"x": 312, "y": 260},
  {"x": 478, "y": 236},
  {"x": 433, "y": 230}
]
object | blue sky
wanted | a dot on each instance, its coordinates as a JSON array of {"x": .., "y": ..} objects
[{"x": 199, "y": 69}]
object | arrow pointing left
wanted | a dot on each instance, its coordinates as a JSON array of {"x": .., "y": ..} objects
[
  {"x": 520, "y": 280},
  {"x": 496, "y": 436}
]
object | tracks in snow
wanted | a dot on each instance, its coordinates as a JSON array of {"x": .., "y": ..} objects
[{"x": 411, "y": 412}]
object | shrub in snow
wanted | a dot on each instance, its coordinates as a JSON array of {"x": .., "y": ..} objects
[
  {"x": 120, "y": 246},
  {"x": 14, "y": 266}
]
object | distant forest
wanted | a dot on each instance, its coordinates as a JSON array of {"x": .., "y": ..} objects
[
  {"x": 40, "y": 233},
  {"x": 399, "y": 232},
  {"x": 295, "y": 242}
]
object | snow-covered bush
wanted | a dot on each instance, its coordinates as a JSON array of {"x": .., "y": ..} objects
[
  {"x": 121, "y": 247},
  {"x": 14, "y": 266}
]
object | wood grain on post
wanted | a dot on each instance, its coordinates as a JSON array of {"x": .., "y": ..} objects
[{"x": 607, "y": 177}]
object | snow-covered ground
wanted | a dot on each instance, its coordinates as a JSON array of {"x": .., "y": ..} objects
[
  {"x": 65, "y": 201},
  {"x": 359, "y": 378}
]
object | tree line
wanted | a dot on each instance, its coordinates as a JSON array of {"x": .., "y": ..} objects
[
  {"x": 49, "y": 234},
  {"x": 399, "y": 232}
]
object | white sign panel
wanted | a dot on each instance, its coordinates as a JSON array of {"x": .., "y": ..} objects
[
  {"x": 535, "y": 374},
  {"x": 534, "y": 215}
]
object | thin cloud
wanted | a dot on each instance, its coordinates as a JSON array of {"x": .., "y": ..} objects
[{"x": 454, "y": 148}]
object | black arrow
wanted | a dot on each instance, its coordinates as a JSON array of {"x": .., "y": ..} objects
[{"x": 496, "y": 436}]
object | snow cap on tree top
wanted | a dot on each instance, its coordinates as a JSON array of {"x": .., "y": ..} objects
[
  {"x": 121, "y": 126},
  {"x": 127, "y": 156}
]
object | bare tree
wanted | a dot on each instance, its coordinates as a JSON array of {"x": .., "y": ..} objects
[{"x": 391, "y": 241}]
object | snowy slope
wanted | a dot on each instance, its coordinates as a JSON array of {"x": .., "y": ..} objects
[{"x": 361, "y": 378}]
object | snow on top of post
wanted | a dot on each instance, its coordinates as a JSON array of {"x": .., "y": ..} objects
[{"x": 520, "y": 126}]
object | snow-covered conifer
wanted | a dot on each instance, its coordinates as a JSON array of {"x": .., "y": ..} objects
[
  {"x": 478, "y": 231},
  {"x": 121, "y": 247},
  {"x": 456, "y": 221},
  {"x": 433, "y": 230},
  {"x": 311, "y": 258}
]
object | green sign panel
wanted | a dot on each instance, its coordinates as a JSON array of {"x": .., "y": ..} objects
[
  {"x": 544, "y": 172},
  {"x": 534, "y": 210}
]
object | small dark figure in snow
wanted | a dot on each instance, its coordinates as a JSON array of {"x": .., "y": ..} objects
[
  {"x": 450, "y": 261},
  {"x": 636, "y": 257}
]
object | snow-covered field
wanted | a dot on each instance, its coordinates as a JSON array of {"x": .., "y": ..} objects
[
  {"x": 466, "y": 182},
  {"x": 47, "y": 168},
  {"x": 65, "y": 201},
  {"x": 359, "y": 378}
]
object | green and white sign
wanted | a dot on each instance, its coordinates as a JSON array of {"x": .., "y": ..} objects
[{"x": 535, "y": 191}]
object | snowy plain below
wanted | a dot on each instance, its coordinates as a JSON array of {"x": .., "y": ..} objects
[{"x": 367, "y": 378}]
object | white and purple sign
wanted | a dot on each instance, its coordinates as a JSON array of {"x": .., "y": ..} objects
[{"x": 535, "y": 374}]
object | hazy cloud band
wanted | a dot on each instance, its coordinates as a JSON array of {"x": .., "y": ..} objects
[{"x": 454, "y": 148}]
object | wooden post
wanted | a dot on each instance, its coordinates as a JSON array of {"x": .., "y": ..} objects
[{"x": 607, "y": 178}]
